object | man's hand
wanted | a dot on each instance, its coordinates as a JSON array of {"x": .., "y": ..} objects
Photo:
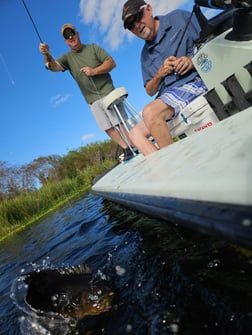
[
  {"x": 44, "y": 48},
  {"x": 50, "y": 63},
  {"x": 88, "y": 71},
  {"x": 183, "y": 65},
  {"x": 167, "y": 67}
]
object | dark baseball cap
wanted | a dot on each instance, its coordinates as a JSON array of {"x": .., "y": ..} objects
[{"x": 131, "y": 7}]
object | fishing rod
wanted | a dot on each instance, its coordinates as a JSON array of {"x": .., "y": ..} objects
[
  {"x": 33, "y": 23},
  {"x": 185, "y": 29},
  {"x": 183, "y": 34}
]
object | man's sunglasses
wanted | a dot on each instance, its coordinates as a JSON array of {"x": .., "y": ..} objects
[
  {"x": 68, "y": 35},
  {"x": 131, "y": 20}
]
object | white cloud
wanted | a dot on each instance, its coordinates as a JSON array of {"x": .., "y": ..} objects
[
  {"x": 87, "y": 137},
  {"x": 59, "y": 99},
  {"x": 106, "y": 17}
]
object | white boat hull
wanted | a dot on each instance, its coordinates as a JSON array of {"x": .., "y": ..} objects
[{"x": 203, "y": 182}]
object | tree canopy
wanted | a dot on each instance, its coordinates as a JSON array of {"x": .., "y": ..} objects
[{"x": 42, "y": 170}]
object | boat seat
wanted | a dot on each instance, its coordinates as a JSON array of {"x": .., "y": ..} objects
[
  {"x": 112, "y": 101},
  {"x": 115, "y": 97}
]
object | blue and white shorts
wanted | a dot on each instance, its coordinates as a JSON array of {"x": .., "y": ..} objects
[{"x": 179, "y": 97}]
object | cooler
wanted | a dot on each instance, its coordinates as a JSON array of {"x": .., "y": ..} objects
[{"x": 195, "y": 117}]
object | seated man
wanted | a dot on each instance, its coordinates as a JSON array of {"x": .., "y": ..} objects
[{"x": 167, "y": 69}]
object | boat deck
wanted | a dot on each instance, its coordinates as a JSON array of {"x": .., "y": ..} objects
[{"x": 203, "y": 182}]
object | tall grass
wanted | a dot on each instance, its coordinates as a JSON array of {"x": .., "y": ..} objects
[{"x": 26, "y": 208}]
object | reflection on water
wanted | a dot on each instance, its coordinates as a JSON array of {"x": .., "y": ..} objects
[{"x": 167, "y": 280}]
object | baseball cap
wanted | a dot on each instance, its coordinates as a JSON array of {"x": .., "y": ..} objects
[
  {"x": 131, "y": 7},
  {"x": 67, "y": 26}
]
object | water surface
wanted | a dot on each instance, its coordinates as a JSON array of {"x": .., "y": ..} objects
[{"x": 172, "y": 281}]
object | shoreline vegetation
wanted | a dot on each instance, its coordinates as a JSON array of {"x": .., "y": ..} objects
[{"x": 20, "y": 211}]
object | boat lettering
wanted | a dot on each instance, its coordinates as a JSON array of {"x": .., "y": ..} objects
[{"x": 207, "y": 125}]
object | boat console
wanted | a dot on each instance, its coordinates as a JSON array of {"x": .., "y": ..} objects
[{"x": 224, "y": 60}]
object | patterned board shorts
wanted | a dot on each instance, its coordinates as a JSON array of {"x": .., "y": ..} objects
[{"x": 179, "y": 97}]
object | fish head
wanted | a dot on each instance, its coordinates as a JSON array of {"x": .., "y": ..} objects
[
  {"x": 71, "y": 292},
  {"x": 78, "y": 300}
]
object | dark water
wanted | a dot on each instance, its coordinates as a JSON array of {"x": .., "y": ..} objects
[{"x": 172, "y": 281}]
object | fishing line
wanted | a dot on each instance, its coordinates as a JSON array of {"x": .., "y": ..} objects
[
  {"x": 33, "y": 23},
  {"x": 7, "y": 69},
  {"x": 119, "y": 126}
]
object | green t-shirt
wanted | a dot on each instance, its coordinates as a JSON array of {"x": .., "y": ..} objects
[{"x": 92, "y": 55}]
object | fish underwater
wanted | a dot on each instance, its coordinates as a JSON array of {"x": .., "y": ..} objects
[{"x": 72, "y": 292}]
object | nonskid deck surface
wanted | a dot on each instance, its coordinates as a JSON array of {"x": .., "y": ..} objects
[{"x": 204, "y": 180}]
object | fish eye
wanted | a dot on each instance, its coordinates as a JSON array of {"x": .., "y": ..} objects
[{"x": 76, "y": 299}]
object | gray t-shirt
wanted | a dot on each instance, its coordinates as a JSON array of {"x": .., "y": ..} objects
[{"x": 91, "y": 55}]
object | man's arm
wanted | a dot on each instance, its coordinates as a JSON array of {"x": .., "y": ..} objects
[
  {"x": 166, "y": 68},
  {"x": 172, "y": 64},
  {"x": 108, "y": 65},
  {"x": 50, "y": 62},
  {"x": 152, "y": 85}
]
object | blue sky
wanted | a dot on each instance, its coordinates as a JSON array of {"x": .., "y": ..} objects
[{"x": 44, "y": 113}]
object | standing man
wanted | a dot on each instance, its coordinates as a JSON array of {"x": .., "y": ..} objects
[
  {"x": 167, "y": 68},
  {"x": 90, "y": 65}
]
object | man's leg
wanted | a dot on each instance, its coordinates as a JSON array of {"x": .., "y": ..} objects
[
  {"x": 155, "y": 115},
  {"x": 139, "y": 135},
  {"x": 116, "y": 136},
  {"x": 102, "y": 118}
]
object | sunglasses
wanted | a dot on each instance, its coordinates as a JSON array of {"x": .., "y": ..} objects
[
  {"x": 130, "y": 22},
  {"x": 70, "y": 34}
]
